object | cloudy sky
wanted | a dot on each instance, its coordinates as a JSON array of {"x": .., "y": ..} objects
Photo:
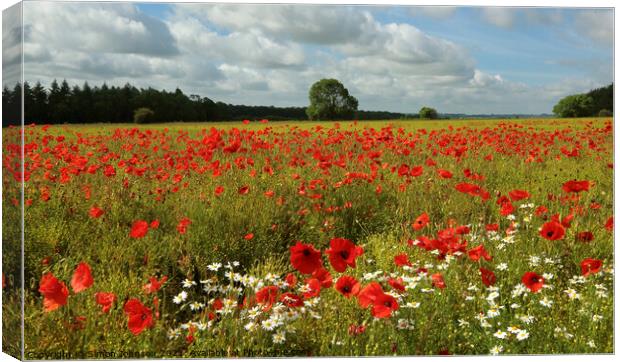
[{"x": 397, "y": 58}]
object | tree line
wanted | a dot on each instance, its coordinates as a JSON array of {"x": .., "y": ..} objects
[
  {"x": 63, "y": 103},
  {"x": 597, "y": 102}
]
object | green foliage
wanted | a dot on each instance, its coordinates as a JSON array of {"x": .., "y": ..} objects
[
  {"x": 143, "y": 115},
  {"x": 602, "y": 99},
  {"x": 329, "y": 99},
  {"x": 597, "y": 102},
  {"x": 428, "y": 113},
  {"x": 111, "y": 104},
  {"x": 578, "y": 105}
]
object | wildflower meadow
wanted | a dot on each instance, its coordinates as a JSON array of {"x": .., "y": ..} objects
[{"x": 262, "y": 238}]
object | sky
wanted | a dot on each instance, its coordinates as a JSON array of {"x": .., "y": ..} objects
[{"x": 396, "y": 58}]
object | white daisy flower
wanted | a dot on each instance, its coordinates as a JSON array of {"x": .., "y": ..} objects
[
  {"x": 500, "y": 334},
  {"x": 214, "y": 267},
  {"x": 496, "y": 350},
  {"x": 522, "y": 335},
  {"x": 188, "y": 283},
  {"x": 572, "y": 294},
  {"x": 268, "y": 325},
  {"x": 181, "y": 297},
  {"x": 546, "y": 302},
  {"x": 279, "y": 337}
]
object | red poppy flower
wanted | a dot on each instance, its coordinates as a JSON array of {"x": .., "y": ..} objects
[
  {"x": 533, "y": 281},
  {"x": 323, "y": 276},
  {"x": 342, "y": 253},
  {"x": 444, "y": 173},
  {"x": 95, "y": 212},
  {"x": 218, "y": 304},
  {"x": 584, "y": 236},
  {"x": 291, "y": 300},
  {"x": 590, "y": 266},
  {"x": 576, "y": 186},
  {"x": 506, "y": 209},
  {"x": 154, "y": 285},
  {"x": 356, "y": 330},
  {"x": 541, "y": 210},
  {"x": 397, "y": 284},
  {"x": 488, "y": 277},
  {"x": 416, "y": 171},
  {"x": 437, "y": 280},
  {"x": 384, "y": 305},
  {"x": 154, "y": 224},
  {"x": 347, "y": 286},
  {"x": 314, "y": 288},
  {"x": 566, "y": 221},
  {"x": 105, "y": 300},
  {"x": 403, "y": 170},
  {"x": 139, "y": 229},
  {"x": 82, "y": 278},
  {"x": 479, "y": 251},
  {"x": 244, "y": 190},
  {"x": 552, "y": 230},
  {"x": 492, "y": 227},
  {"x": 183, "y": 224},
  {"x": 421, "y": 221},
  {"x": 516, "y": 195},
  {"x": 609, "y": 225},
  {"x": 249, "y": 236},
  {"x": 54, "y": 292},
  {"x": 219, "y": 190},
  {"x": 291, "y": 280},
  {"x": 109, "y": 171},
  {"x": 402, "y": 260},
  {"x": 305, "y": 258},
  {"x": 140, "y": 317},
  {"x": 267, "y": 296},
  {"x": 368, "y": 294}
]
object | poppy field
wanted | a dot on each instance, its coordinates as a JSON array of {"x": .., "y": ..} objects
[{"x": 310, "y": 239}]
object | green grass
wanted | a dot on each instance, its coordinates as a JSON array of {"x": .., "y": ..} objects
[{"x": 61, "y": 232}]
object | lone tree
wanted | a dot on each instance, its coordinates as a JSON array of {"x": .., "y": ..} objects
[
  {"x": 578, "y": 105},
  {"x": 428, "y": 113},
  {"x": 143, "y": 115},
  {"x": 329, "y": 99}
]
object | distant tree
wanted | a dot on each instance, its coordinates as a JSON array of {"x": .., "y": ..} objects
[
  {"x": 39, "y": 110},
  {"x": 602, "y": 98},
  {"x": 143, "y": 115},
  {"x": 428, "y": 113},
  {"x": 329, "y": 99},
  {"x": 605, "y": 113},
  {"x": 577, "y": 105},
  {"x": 61, "y": 103}
]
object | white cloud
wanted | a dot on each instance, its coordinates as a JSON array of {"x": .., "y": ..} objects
[
  {"x": 93, "y": 27},
  {"x": 249, "y": 47},
  {"x": 598, "y": 25},
  {"x": 500, "y": 16},
  {"x": 318, "y": 24},
  {"x": 11, "y": 45},
  {"x": 271, "y": 55},
  {"x": 435, "y": 12}
]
